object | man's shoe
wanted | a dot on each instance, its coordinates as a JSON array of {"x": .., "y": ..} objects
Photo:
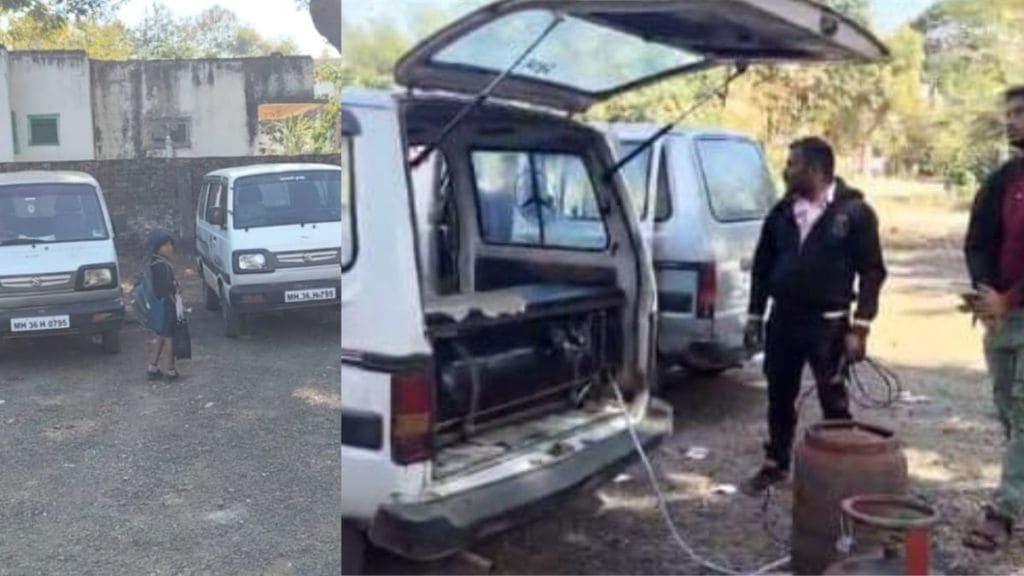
[{"x": 765, "y": 478}]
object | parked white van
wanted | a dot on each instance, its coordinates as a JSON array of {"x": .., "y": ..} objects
[
  {"x": 495, "y": 287},
  {"x": 267, "y": 237},
  {"x": 705, "y": 194},
  {"x": 59, "y": 271}
]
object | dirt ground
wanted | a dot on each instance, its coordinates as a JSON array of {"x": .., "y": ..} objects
[
  {"x": 951, "y": 438},
  {"x": 231, "y": 470}
]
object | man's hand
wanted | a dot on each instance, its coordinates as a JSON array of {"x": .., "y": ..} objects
[
  {"x": 857, "y": 344},
  {"x": 992, "y": 306},
  {"x": 753, "y": 335}
]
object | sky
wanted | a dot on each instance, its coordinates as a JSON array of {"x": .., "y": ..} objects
[
  {"x": 887, "y": 14},
  {"x": 271, "y": 18}
]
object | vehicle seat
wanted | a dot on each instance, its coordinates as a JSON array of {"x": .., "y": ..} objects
[
  {"x": 70, "y": 220},
  {"x": 306, "y": 198},
  {"x": 248, "y": 203}
]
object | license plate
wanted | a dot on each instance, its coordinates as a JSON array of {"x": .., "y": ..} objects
[
  {"x": 316, "y": 295},
  {"x": 40, "y": 323}
]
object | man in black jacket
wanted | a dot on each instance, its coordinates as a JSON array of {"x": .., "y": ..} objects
[
  {"x": 995, "y": 260},
  {"x": 816, "y": 242}
]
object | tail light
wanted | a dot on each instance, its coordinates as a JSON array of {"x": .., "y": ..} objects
[
  {"x": 412, "y": 416},
  {"x": 707, "y": 290}
]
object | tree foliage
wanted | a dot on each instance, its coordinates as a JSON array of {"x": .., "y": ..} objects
[
  {"x": 100, "y": 40},
  {"x": 214, "y": 33},
  {"x": 58, "y": 11}
]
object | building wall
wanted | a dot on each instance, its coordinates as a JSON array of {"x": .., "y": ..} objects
[
  {"x": 52, "y": 83},
  {"x": 210, "y": 106},
  {"x": 6, "y": 138},
  {"x": 157, "y": 192}
]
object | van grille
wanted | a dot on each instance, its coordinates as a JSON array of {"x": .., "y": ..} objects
[
  {"x": 308, "y": 258},
  {"x": 41, "y": 283}
]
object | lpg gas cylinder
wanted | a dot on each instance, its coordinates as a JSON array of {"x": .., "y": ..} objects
[{"x": 834, "y": 461}]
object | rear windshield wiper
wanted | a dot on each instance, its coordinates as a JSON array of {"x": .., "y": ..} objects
[
  {"x": 485, "y": 94},
  {"x": 718, "y": 92}
]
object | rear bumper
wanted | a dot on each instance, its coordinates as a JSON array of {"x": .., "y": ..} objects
[
  {"x": 438, "y": 528},
  {"x": 706, "y": 343},
  {"x": 257, "y": 298},
  {"x": 86, "y": 318}
]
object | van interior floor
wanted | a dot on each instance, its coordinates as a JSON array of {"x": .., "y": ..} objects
[{"x": 485, "y": 448}]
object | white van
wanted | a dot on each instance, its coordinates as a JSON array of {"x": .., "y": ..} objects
[
  {"x": 495, "y": 285},
  {"x": 267, "y": 238},
  {"x": 59, "y": 272},
  {"x": 705, "y": 194}
]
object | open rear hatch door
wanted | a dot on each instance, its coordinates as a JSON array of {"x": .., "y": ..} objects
[{"x": 591, "y": 50}]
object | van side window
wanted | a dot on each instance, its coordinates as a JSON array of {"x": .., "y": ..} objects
[
  {"x": 537, "y": 199},
  {"x": 736, "y": 178},
  {"x": 201, "y": 204},
  {"x": 663, "y": 195},
  {"x": 637, "y": 175},
  {"x": 214, "y": 199},
  {"x": 348, "y": 214}
]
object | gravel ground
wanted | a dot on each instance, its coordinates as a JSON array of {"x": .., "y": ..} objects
[
  {"x": 231, "y": 470},
  {"x": 951, "y": 438}
]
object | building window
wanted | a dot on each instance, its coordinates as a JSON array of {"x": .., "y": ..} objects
[
  {"x": 44, "y": 130},
  {"x": 179, "y": 130},
  {"x": 14, "y": 132}
]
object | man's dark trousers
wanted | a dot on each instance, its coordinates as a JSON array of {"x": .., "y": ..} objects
[{"x": 793, "y": 339}]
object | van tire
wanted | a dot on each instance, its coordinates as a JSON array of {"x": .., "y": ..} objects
[
  {"x": 353, "y": 549},
  {"x": 212, "y": 300},
  {"x": 111, "y": 342}
]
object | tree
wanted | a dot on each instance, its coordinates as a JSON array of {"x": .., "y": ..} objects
[
  {"x": 214, "y": 33},
  {"x": 59, "y": 11},
  {"x": 100, "y": 40},
  {"x": 972, "y": 53}
]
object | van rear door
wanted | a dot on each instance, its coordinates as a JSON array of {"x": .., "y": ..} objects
[
  {"x": 639, "y": 41},
  {"x": 738, "y": 193}
]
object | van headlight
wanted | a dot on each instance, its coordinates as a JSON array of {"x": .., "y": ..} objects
[
  {"x": 252, "y": 262},
  {"x": 97, "y": 277}
]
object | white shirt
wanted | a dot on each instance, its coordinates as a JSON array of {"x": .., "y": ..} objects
[{"x": 808, "y": 212}]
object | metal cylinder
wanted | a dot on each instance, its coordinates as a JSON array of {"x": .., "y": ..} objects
[
  {"x": 834, "y": 461},
  {"x": 905, "y": 520}
]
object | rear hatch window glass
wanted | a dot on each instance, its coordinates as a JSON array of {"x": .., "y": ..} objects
[
  {"x": 537, "y": 199},
  {"x": 301, "y": 197},
  {"x": 624, "y": 57},
  {"x": 50, "y": 213},
  {"x": 738, "y": 184}
]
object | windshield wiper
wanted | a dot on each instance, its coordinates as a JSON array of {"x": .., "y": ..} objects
[
  {"x": 718, "y": 92},
  {"x": 22, "y": 242},
  {"x": 485, "y": 94}
]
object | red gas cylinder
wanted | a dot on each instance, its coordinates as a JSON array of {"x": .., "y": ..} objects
[
  {"x": 834, "y": 461},
  {"x": 904, "y": 524}
]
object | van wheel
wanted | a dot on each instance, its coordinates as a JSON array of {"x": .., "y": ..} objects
[
  {"x": 353, "y": 549},
  {"x": 111, "y": 342},
  {"x": 212, "y": 300}
]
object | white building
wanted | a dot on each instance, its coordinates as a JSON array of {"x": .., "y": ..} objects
[{"x": 58, "y": 106}]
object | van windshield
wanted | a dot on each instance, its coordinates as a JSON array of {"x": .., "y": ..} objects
[
  {"x": 40, "y": 213},
  {"x": 301, "y": 197}
]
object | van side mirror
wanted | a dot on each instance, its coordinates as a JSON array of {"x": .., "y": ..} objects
[
  {"x": 120, "y": 223},
  {"x": 217, "y": 216}
]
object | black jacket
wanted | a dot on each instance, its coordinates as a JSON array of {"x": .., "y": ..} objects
[
  {"x": 985, "y": 232},
  {"x": 819, "y": 276}
]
